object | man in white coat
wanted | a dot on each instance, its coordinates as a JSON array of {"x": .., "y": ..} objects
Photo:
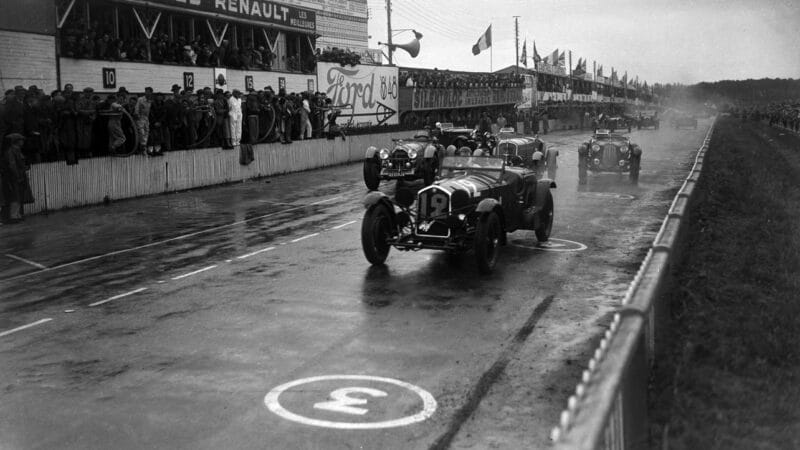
[{"x": 235, "y": 114}]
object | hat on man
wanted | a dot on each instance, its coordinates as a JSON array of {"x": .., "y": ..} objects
[
  {"x": 122, "y": 90},
  {"x": 15, "y": 137},
  {"x": 175, "y": 87},
  {"x": 19, "y": 88},
  {"x": 88, "y": 89}
]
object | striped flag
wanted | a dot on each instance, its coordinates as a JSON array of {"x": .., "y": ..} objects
[
  {"x": 524, "y": 58},
  {"x": 484, "y": 42}
]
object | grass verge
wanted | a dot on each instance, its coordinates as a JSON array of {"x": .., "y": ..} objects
[{"x": 729, "y": 375}]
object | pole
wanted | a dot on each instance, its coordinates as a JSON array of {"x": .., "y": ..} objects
[
  {"x": 516, "y": 42},
  {"x": 389, "y": 28}
]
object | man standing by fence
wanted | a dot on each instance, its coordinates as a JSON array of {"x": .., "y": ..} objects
[
  {"x": 235, "y": 115},
  {"x": 142, "y": 115}
]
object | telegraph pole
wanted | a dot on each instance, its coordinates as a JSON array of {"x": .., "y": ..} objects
[
  {"x": 516, "y": 35},
  {"x": 389, "y": 28}
]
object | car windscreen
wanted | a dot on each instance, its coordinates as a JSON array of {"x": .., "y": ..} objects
[{"x": 473, "y": 162}]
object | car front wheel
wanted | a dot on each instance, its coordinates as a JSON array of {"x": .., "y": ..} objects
[
  {"x": 376, "y": 230},
  {"x": 488, "y": 237},
  {"x": 545, "y": 220},
  {"x": 372, "y": 174}
]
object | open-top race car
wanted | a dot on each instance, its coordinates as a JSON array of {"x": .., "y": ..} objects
[
  {"x": 685, "y": 121},
  {"x": 609, "y": 152},
  {"x": 475, "y": 203},
  {"x": 464, "y": 137},
  {"x": 530, "y": 152},
  {"x": 647, "y": 119},
  {"x": 409, "y": 159}
]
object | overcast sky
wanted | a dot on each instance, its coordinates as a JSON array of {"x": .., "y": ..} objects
[{"x": 663, "y": 41}]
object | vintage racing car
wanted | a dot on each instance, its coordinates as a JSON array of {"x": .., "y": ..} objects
[
  {"x": 463, "y": 137},
  {"x": 409, "y": 159},
  {"x": 477, "y": 200},
  {"x": 685, "y": 121},
  {"x": 519, "y": 150},
  {"x": 647, "y": 119},
  {"x": 609, "y": 152},
  {"x": 615, "y": 123}
]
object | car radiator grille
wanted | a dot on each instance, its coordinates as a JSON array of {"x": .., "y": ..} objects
[
  {"x": 610, "y": 155},
  {"x": 399, "y": 158}
]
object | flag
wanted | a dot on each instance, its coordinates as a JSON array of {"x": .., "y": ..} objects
[
  {"x": 524, "y": 58},
  {"x": 553, "y": 58},
  {"x": 562, "y": 60},
  {"x": 536, "y": 58},
  {"x": 613, "y": 75},
  {"x": 484, "y": 42},
  {"x": 600, "y": 71},
  {"x": 625, "y": 79},
  {"x": 579, "y": 70}
]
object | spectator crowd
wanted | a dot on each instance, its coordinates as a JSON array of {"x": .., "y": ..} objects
[
  {"x": 69, "y": 125},
  {"x": 445, "y": 79}
]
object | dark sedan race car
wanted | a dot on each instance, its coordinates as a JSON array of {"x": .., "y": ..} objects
[
  {"x": 409, "y": 159},
  {"x": 609, "y": 152},
  {"x": 472, "y": 207}
]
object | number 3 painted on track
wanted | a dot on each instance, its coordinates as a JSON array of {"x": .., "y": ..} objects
[{"x": 343, "y": 403}]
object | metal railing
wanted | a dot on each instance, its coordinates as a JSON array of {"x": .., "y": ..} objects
[{"x": 608, "y": 409}]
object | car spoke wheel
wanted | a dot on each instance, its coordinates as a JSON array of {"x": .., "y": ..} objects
[
  {"x": 545, "y": 220},
  {"x": 372, "y": 174},
  {"x": 488, "y": 238},
  {"x": 376, "y": 230}
]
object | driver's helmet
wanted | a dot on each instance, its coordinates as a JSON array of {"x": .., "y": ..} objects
[
  {"x": 478, "y": 152},
  {"x": 439, "y": 125},
  {"x": 537, "y": 155},
  {"x": 450, "y": 150},
  {"x": 464, "y": 151}
]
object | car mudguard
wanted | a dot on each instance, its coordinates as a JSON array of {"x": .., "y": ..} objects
[
  {"x": 375, "y": 197},
  {"x": 430, "y": 151},
  {"x": 637, "y": 151},
  {"x": 371, "y": 152},
  {"x": 487, "y": 204},
  {"x": 583, "y": 150}
]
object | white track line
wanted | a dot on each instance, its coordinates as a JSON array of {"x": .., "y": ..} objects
[
  {"x": 343, "y": 225},
  {"x": 304, "y": 237},
  {"x": 136, "y": 291},
  {"x": 255, "y": 252},
  {"x": 26, "y": 261},
  {"x": 194, "y": 273},
  {"x": 152, "y": 244},
  {"x": 14, "y": 330}
]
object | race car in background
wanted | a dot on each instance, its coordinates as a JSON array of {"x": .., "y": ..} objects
[{"x": 609, "y": 152}]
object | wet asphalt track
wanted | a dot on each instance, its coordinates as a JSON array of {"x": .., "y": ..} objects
[{"x": 173, "y": 317}]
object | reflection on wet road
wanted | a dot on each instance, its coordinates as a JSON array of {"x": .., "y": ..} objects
[{"x": 166, "y": 321}]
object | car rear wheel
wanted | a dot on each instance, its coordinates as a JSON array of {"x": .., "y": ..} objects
[
  {"x": 488, "y": 237},
  {"x": 372, "y": 174},
  {"x": 545, "y": 220},
  {"x": 376, "y": 230}
]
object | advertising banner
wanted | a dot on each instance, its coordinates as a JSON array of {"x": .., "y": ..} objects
[
  {"x": 366, "y": 94},
  {"x": 458, "y": 98},
  {"x": 262, "y": 11}
]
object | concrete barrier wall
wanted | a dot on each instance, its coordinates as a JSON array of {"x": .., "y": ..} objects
[{"x": 56, "y": 185}]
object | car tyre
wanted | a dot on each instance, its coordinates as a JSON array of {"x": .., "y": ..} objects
[
  {"x": 430, "y": 170},
  {"x": 488, "y": 238},
  {"x": 376, "y": 229},
  {"x": 635, "y": 165},
  {"x": 545, "y": 219},
  {"x": 582, "y": 171},
  {"x": 372, "y": 174}
]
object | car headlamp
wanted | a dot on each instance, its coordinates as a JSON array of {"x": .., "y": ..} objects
[
  {"x": 595, "y": 148},
  {"x": 384, "y": 154},
  {"x": 412, "y": 153}
]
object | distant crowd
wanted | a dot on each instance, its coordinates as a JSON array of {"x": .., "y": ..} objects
[
  {"x": 457, "y": 80},
  {"x": 785, "y": 114}
]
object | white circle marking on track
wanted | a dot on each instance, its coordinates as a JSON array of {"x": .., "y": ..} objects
[
  {"x": 547, "y": 247},
  {"x": 428, "y": 404}
]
